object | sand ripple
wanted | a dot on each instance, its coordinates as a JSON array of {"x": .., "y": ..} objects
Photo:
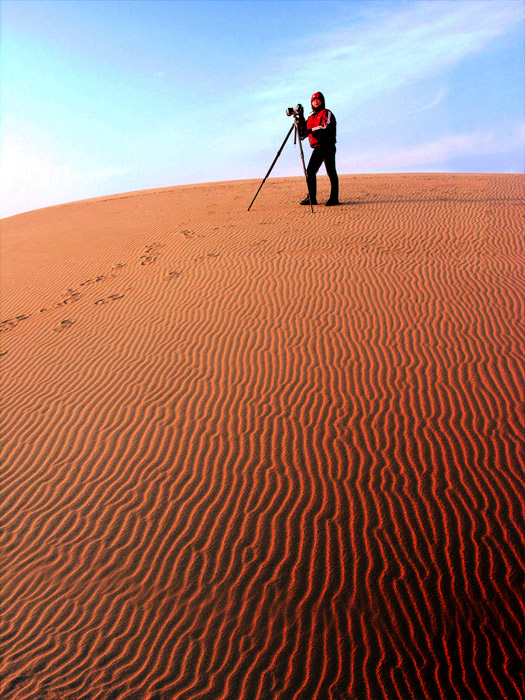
[{"x": 267, "y": 454}]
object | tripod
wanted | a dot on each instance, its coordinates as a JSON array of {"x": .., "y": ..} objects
[{"x": 294, "y": 127}]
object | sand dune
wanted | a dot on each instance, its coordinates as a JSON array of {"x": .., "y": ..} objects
[{"x": 265, "y": 454}]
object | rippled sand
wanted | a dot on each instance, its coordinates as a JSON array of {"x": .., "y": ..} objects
[{"x": 267, "y": 454}]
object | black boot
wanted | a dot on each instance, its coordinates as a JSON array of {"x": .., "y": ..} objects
[{"x": 307, "y": 200}]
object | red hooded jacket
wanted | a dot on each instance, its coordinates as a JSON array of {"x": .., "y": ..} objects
[{"x": 321, "y": 124}]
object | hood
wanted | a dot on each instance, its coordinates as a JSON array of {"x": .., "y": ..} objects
[{"x": 320, "y": 96}]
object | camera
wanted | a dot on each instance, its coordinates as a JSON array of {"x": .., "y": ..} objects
[{"x": 298, "y": 111}]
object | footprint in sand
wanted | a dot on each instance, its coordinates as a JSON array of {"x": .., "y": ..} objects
[
  {"x": 99, "y": 278},
  {"x": 108, "y": 299},
  {"x": 11, "y": 323},
  {"x": 70, "y": 296},
  {"x": 173, "y": 274},
  {"x": 66, "y": 323},
  {"x": 200, "y": 258},
  {"x": 153, "y": 248},
  {"x": 151, "y": 251},
  {"x": 73, "y": 296}
]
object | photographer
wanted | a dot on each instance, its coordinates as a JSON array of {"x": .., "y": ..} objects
[{"x": 321, "y": 131}]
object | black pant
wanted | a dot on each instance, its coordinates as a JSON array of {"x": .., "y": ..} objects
[{"x": 322, "y": 154}]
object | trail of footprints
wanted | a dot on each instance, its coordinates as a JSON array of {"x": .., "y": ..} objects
[{"x": 72, "y": 295}]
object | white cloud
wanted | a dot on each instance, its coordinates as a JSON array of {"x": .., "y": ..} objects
[
  {"x": 395, "y": 56},
  {"x": 397, "y": 44},
  {"x": 436, "y": 100},
  {"x": 437, "y": 151}
]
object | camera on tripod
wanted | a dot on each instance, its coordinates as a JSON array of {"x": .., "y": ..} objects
[
  {"x": 298, "y": 111},
  {"x": 298, "y": 125}
]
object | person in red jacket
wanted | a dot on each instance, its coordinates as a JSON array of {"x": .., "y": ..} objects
[{"x": 321, "y": 131}]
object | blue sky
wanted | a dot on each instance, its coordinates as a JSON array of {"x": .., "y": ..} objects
[{"x": 100, "y": 97}]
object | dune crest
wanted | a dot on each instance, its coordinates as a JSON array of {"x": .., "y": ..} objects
[{"x": 265, "y": 454}]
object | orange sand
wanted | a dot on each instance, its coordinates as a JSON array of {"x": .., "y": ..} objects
[{"x": 265, "y": 454}]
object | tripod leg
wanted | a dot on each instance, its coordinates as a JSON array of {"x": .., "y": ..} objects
[
  {"x": 271, "y": 166},
  {"x": 304, "y": 168}
]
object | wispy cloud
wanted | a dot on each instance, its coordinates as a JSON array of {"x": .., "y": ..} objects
[
  {"x": 397, "y": 53},
  {"x": 392, "y": 45},
  {"x": 434, "y": 101},
  {"x": 441, "y": 151},
  {"x": 392, "y": 71}
]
